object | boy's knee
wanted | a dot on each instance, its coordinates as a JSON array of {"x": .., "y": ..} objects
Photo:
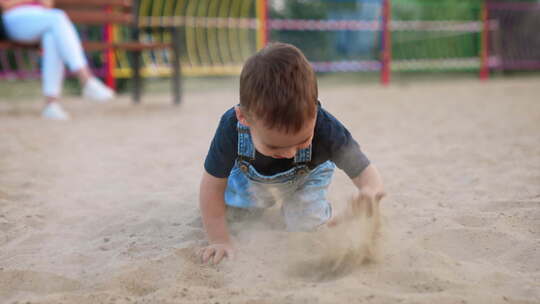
[
  {"x": 235, "y": 214},
  {"x": 308, "y": 217}
]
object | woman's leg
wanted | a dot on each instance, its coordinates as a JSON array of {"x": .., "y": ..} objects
[
  {"x": 52, "y": 70},
  {"x": 29, "y": 23},
  {"x": 69, "y": 47},
  {"x": 68, "y": 43}
]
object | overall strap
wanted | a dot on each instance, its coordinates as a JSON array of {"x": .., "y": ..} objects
[
  {"x": 303, "y": 156},
  {"x": 246, "y": 150}
]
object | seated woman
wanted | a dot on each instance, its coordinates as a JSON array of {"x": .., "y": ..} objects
[{"x": 33, "y": 21}]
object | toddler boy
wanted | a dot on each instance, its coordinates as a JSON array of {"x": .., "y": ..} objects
[{"x": 278, "y": 144}]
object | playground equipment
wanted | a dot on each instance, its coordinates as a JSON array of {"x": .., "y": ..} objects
[{"x": 378, "y": 36}]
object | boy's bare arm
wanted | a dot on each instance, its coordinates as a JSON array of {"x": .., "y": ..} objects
[
  {"x": 370, "y": 184},
  {"x": 213, "y": 209}
]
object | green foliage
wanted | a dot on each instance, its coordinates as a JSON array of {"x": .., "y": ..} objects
[
  {"x": 435, "y": 44},
  {"x": 436, "y": 10},
  {"x": 313, "y": 44},
  {"x": 411, "y": 44}
]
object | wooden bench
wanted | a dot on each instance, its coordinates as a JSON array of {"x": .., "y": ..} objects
[{"x": 124, "y": 13}]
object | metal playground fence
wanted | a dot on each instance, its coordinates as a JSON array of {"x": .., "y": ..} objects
[{"x": 381, "y": 36}]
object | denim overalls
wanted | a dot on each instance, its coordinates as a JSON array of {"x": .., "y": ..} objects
[{"x": 301, "y": 191}]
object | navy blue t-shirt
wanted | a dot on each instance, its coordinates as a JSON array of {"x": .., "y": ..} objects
[{"x": 331, "y": 141}]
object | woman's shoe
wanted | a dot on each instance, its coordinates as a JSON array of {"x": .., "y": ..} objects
[
  {"x": 95, "y": 90},
  {"x": 54, "y": 111}
]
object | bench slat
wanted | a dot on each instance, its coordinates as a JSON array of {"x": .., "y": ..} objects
[
  {"x": 96, "y": 45},
  {"x": 129, "y": 46},
  {"x": 5, "y": 44},
  {"x": 90, "y": 3},
  {"x": 97, "y": 17}
]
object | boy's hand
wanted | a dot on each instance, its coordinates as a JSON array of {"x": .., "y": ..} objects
[
  {"x": 367, "y": 201},
  {"x": 214, "y": 253},
  {"x": 213, "y": 212},
  {"x": 370, "y": 194}
]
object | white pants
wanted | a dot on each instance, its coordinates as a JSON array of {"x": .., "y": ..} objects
[{"x": 59, "y": 41}]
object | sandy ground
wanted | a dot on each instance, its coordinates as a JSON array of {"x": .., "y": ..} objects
[{"x": 103, "y": 209}]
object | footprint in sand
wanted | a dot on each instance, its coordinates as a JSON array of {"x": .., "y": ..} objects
[
  {"x": 16, "y": 282},
  {"x": 505, "y": 205},
  {"x": 521, "y": 216},
  {"x": 417, "y": 281},
  {"x": 174, "y": 270},
  {"x": 524, "y": 258},
  {"x": 470, "y": 243},
  {"x": 475, "y": 221}
]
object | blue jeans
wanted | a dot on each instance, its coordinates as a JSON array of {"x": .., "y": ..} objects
[{"x": 301, "y": 192}]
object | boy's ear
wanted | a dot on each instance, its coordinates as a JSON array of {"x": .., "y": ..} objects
[{"x": 240, "y": 115}]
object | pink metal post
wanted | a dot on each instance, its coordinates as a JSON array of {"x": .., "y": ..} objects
[
  {"x": 484, "y": 47},
  {"x": 386, "y": 52}
]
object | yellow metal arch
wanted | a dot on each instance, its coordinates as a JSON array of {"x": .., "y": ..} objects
[
  {"x": 201, "y": 37},
  {"x": 218, "y": 35},
  {"x": 190, "y": 33},
  {"x": 213, "y": 43}
]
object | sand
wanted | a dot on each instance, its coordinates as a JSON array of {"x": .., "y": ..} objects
[{"x": 103, "y": 208}]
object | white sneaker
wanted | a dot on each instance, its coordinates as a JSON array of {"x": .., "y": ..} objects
[
  {"x": 95, "y": 90},
  {"x": 54, "y": 111}
]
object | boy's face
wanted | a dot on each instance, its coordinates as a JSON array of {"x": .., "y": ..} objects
[{"x": 277, "y": 143}]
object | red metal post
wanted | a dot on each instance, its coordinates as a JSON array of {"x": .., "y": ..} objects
[
  {"x": 484, "y": 43},
  {"x": 386, "y": 52},
  {"x": 263, "y": 33},
  {"x": 109, "y": 55}
]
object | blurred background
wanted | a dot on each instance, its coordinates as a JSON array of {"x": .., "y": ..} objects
[
  {"x": 441, "y": 94},
  {"x": 368, "y": 40}
]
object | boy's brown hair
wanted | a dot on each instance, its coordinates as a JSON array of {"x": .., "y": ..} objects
[{"x": 279, "y": 87}]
